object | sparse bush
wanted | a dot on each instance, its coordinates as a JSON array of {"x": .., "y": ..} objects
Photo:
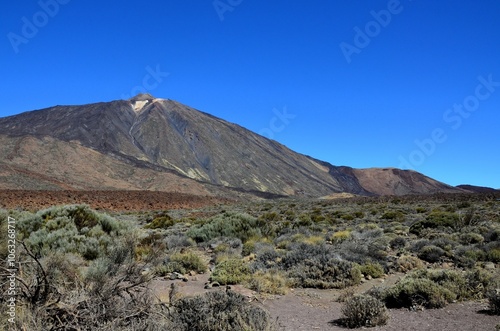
[
  {"x": 363, "y": 311},
  {"x": 231, "y": 271}
]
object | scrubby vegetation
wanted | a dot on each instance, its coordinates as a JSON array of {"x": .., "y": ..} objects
[
  {"x": 89, "y": 270},
  {"x": 363, "y": 311}
]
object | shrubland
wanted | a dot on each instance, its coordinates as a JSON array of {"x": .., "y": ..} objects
[{"x": 90, "y": 270}]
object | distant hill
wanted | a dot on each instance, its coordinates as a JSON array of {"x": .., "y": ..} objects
[
  {"x": 478, "y": 189},
  {"x": 147, "y": 143}
]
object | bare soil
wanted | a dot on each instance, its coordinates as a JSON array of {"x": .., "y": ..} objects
[
  {"x": 106, "y": 200},
  {"x": 313, "y": 309}
]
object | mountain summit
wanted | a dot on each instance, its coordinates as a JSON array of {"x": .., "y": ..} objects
[{"x": 159, "y": 144}]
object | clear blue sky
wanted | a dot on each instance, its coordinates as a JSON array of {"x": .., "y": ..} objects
[{"x": 352, "y": 82}]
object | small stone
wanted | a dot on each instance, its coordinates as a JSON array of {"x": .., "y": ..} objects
[
  {"x": 215, "y": 284},
  {"x": 192, "y": 273}
]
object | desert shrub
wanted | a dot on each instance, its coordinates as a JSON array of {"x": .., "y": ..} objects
[
  {"x": 477, "y": 282},
  {"x": 3, "y": 234},
  {"x": 435, "y": 220},
  {"x": 359, "y": 214},
  {"x": 161, "y": 222},
  {"x": 407, "y": 263},
  {"x": 270, "y": 282},
  {"x": 467, "y": 256},
  {"x": 267, "y": 257},
  {"x": 70, "y": 229},
  {"x": 231, "y": 271},
  {"x": 249, "y": 246},
  {"x": 493, "y": 296},
  {"x": 396, "y": 215},
  {"x": 421, "y": 210},
  {"x": 185, "y": 262},
  {"x": 219, "y": 311},
  {"x": 494, "y": 255},
  {"x": 431, "y": 253},
  {"x": 242, "y": 226},
  {"x": 398, "y": 242},
  {"x": 435, "y": 288},
  {"x": 340, "y": 236},
  {"x": 318, "y": 266},
  {"x": 364, "y": 311},
  {"x": 178, "y": 241},
  {"x": 108, "y": 224},
  {"x": 371, "y": 269},
  {"x": 411, "y": 292},
  {"x": 364, "y": 246},
  {"x": 304, "y": 220},
  {"x": 226, "y": 245},
  {"x": 111, "y": 293},
  {"x": 471, "y": 238}
]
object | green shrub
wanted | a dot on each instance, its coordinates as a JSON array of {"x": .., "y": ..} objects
[
  {"x": 494, "y": 255},
  {"x": 161, "y": 222},
  {"x": 70, "y": 229},
  {"x": 435, "y": 220},
  {"x": 396, "y": 215},
  {"x": 411, "y": 292},
  {"x": 231, "y": 271},
  {"x": 242, "y": 226},
  {"x": 185, "y": 262},
  {"x": 364, "y": 311},
  {"x": 374, "y": 270}
]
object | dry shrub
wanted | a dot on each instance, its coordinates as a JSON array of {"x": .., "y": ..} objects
[
  {"x": 363, "y": 311},
  {"x": 219, "y": 311}
]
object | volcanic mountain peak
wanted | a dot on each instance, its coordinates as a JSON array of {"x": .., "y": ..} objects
[
  {"x": 162, "y": 136},
  {"x": 141, "y": 100}
]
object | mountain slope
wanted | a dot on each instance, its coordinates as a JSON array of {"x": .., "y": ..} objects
[{"x": 158, "y": 144}]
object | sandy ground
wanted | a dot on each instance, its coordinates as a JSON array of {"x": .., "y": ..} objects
[{"x": 312, "y": 309}]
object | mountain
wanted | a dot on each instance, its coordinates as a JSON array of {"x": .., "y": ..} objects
[{"x": 146, "y": 143}]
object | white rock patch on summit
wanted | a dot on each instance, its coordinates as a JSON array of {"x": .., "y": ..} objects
[{"x": 138, "y": 105}]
